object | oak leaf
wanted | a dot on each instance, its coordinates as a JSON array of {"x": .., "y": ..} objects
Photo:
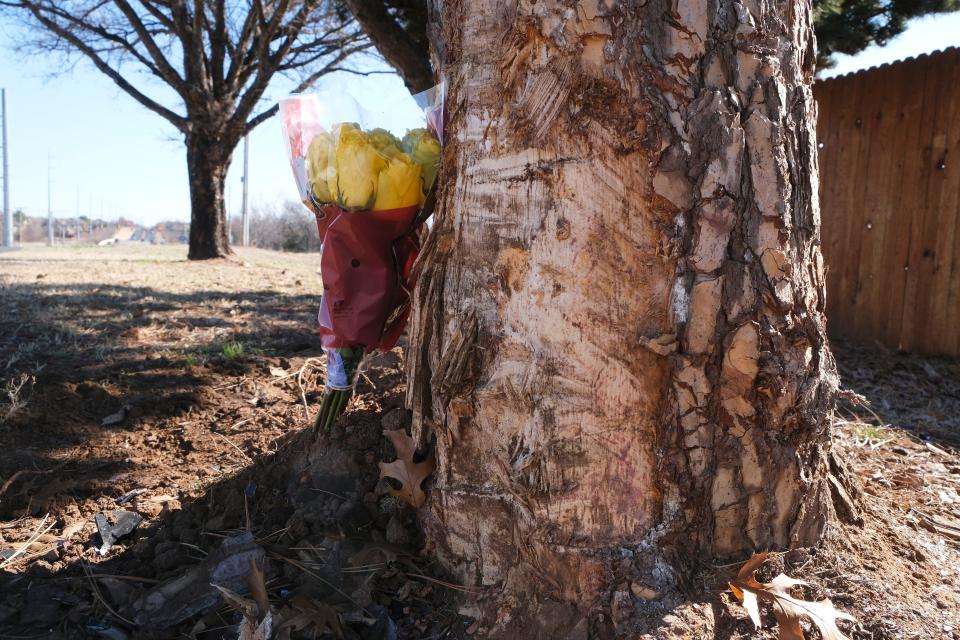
[
  {"x": 408, "y": 473},
  {"x": 787, "y": 609}
]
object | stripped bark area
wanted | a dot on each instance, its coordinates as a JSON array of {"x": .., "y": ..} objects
[{"x": 618, "y": 333}]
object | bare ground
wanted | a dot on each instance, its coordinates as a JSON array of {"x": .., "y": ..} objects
[{"x": 205, "y": 375}]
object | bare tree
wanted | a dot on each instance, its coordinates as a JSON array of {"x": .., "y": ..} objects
[
  {"x": 290, "y": 227},
  {"x": 217, "y": 57}
]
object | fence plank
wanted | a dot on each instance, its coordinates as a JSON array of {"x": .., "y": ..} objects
[
  {"x": 841, "y": 218},
  {"x": 870, "y": 198},
  {"x": 889, "y": 212},
  {"x": 923, "y": 230},
  {"x": 879, "y": 122},
  {"x": 937, "y": 235},
  {"x": 944, "y": 174},
  {"x": 828, "y": 137}
]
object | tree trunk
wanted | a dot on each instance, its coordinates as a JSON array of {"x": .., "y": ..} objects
[
  {"x": 618, "y": 337},
  {"x": 207, "y": 162}
]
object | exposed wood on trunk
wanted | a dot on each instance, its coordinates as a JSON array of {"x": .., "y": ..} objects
[{"x": 628, "y": 214}]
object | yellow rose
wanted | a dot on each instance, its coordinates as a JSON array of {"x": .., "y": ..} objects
[
  {"x": 318, "y": 156},
  {"x": 399, "y": 184},
  {"x": 385, "y": 142},
  {"x": 357, "y": 165},
  {"x": 424, "y": 148}
]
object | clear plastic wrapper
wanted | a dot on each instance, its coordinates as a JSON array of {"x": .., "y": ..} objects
[{"x": 366, "y": 174}]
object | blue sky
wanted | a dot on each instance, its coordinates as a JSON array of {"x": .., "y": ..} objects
[{"x": 125, "y": 160}]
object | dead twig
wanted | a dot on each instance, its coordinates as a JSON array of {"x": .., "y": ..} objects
[
  {"x": 303, "y": 393},
  {"x": 13, "y": 478},
  {"x": 448, "y": 585},
  {"x": 230, "y": 442},
  {"x": 316, "y": 576},
  {"x": 96, "y": 590},
  {"x": 273, "y": 419},
  {"x": 33, "y": 538},
  {"x": 230, "y": 386},
  {"x": 940, "y": 527}
]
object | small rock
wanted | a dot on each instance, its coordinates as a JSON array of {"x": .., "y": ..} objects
[
  {"x": 621, "y": 607},
  {"x": 190, "y": 536},
  {"x": 395, "y": 419},
  {"x": 396, "y": 533},
  {"x": 116, "y": 418},
  {"x": 644, "y": 592},
  {"x": 796, "y": 557},
  {"x": 580, "y": 631},
  {"x": 148, "y": 508},
  {"x": 115, "y": 525},
  {"x": 119, "y": 591},
  {"x": 182, "y": 597},
  {"x": 143, "y": 549}
]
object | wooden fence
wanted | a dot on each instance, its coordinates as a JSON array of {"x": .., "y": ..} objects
[{"x": 889, "y": 143}]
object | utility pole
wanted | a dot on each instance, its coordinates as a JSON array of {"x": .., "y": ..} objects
[
  {"x": 7, "y": 214},
  {"x": 246, "y": 169},
  {"x": 50, "y": 230}
]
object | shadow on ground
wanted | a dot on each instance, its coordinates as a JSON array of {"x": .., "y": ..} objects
[
  {"x": 916, "y": 393},
  {"x": 202, "y": 394}
]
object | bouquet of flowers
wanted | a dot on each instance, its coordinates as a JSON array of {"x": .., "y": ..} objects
[{"x": 367, "y": 186}]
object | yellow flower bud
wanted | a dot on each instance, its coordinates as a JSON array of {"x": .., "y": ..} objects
[
  {"x": 356, "y": 169},
  {"x": 385, "y": 142},
  {"x": 399, "y": 184},
  {"x": 424, "y": 148}
]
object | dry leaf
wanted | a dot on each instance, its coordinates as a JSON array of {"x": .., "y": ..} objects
[
  {"x": 410, "y": 474},
  {"x": 374, "y": 553},
  {"x": 246, "y": 606},
  {"x": 251, "y": 628},
  {"x": 263, "y": 631},
  {"x": 787, "y": 609},
  {"x": 277, "y": 372},
  {"x": 324, "y": 617},
  {"x": 257, "y": 584},
  {"x": 116, "y": 418}
]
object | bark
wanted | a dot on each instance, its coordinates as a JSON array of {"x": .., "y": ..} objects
[
  {"x": 207, "y": 164},
  {"x": 618, "y": 338}
]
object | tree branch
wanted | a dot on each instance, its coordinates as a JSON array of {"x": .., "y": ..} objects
[
  {"x": 56, "y": 28},
  {"x": 398, "y": 48},
  {"x": 165, "y": 70}
]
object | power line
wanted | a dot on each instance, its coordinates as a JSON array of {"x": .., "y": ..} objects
[
  {"x": 50, "y": 230},
  {"x": 246, "y": 167},
  {"x": 7, "y": 214}
]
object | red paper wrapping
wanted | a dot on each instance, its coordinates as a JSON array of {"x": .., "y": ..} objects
[{"x": 365, "y": 267}]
